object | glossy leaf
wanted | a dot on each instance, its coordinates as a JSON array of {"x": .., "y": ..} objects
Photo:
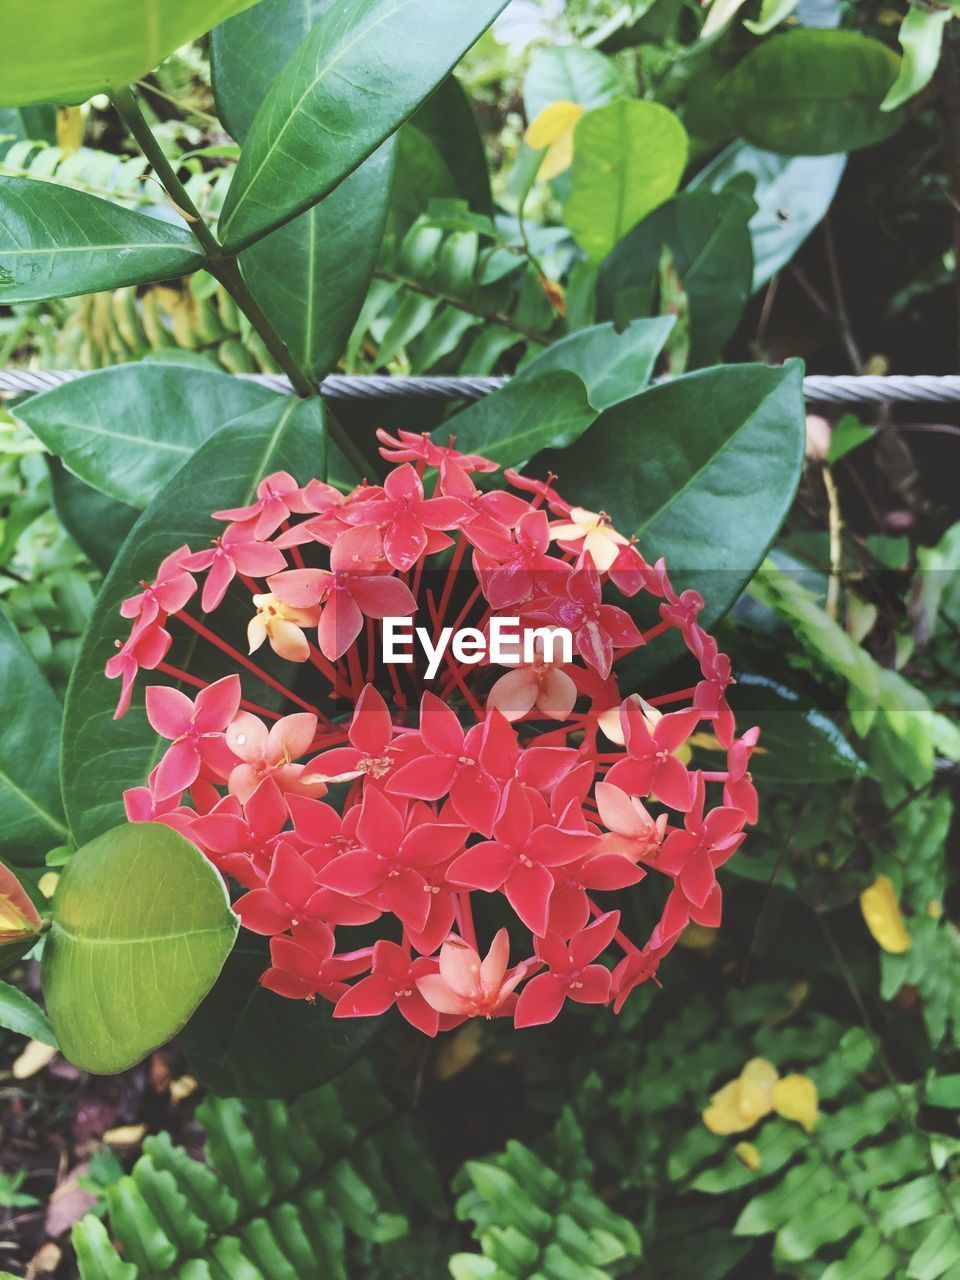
[
  {"x": 921, "y": 37},
  {"x": 709, "y": 241},
  {"x": 23, "y": 1016},
  {"x": 448, "y": 120},
  {"x": 128, "y": 429},
  {"x": 31, "y": 815},
  {"x": 72, "y": 51},
  {"x": 799, "y": 744},
  {"x": 102, "y": 757},
  {"x": 548, "y": 411},
  {"x": 628, "y": 158},
  {"x": 56, "y": 242},
  {"x": 702, "y": 469},
  {"x": 359, "y": 74},
  {"x": 613, "y": 365},
  {"x": 813, "y": 93},
  {"x": 141, "y": 927},
  {"x": 97, "y": 524},
  {"x": 792, "y": 194},
  {"x": 311, "y": 275},
  {"x": 569, "y": 73},
  {"x": 232, "y": 1040}
]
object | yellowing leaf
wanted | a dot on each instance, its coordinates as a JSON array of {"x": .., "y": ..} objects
[
  {"x": 125, "y": 1135},
  {"x": 34, "y": 1058},
  {"x": 70, "y": 126},
  {"x": 553, "y": 128},
  {"x": 748, "y": 1155},
  {"x": 795, "y": 1098},
  {"x": 881, "y": 911},
  {"x": 740, "y": 1103}
]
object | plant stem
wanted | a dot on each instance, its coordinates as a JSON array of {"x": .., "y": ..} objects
[
  {"x": 226, "y": 269},
  {"x": 494, "y": 317},
  {"x": 836, "y": 544}
]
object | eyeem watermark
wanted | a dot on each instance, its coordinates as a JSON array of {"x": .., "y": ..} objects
[{"x": 506, "y": 645}]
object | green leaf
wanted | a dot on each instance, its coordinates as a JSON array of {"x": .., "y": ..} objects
[
  {"x": 772, "y": 13},
  {"x": 128, "y": 429},
  {"x": 246, "y": 1041},
  {"x": 77, "y": 50},
  {"x": 799, "y": 744},
  {"x": 921, "y": 37},
  {"x": 311, "y": 275},
  {"x": 359, "y": 74},
  {"x": 97, "y": 524},
  {"x": 141, "y": 927},
  {"x": 792, "y": 194},
  {"x": 628, "y": 158},
  {"x": 708, "y": 237},
  {"x": 448, "y": 120},
  {"x": 813, "y": 92},
  {"x": 569, "y": 73},
  {"x": 848, "y": 434},
  {"x": 702, "y": 469},
  {"x": 547, "y": 411},
  {"x": 944, "y": 1091},
  {"x": 23, "y": 1016},
  {"x": 31, "y": 815},
  {"x": 35, "y": 124},
  {"x": 56, "y": 242},
  {"x": 613, "y": 364},
  {"x": 102, "y": 757}
]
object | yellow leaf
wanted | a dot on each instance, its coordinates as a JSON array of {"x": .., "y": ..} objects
[
  {"x": 125, "y": 1135},
  {"x": 552, "y": 123},
  {"x": 457, "y": 1052},
  {"x": 33, "y": 1059},
  {"x": 740, "y": 1103},
  {"x": 881, "y": 911},
  {"x": 748, "y": 1155},
  {"x": 795, "y": 1098},
  {"x": 70, "y": 129},
  {"x": 696, "y": 937},
  {"x": 47, "y": 884}
]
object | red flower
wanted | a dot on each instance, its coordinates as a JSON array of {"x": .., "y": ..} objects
[
  {"x": 652, "y": 768},
  {"x": 304, "y": 965},
  {"x": 407, "y": 518},
  {"x": 468, "y": 987},
  {"x": 571, "y": 973},
  {"x": 393, "y": 981},
  {"x": 197, "y": 730},
  {"x": 278, "y": 497},
  {"x": 238, "y": 551},
  {"x": 598, "y": 629}
]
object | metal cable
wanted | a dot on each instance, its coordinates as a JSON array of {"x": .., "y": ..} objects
[{"x": 818, "y": 389}]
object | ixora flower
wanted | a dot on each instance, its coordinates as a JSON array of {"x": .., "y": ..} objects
[{"x": 487, "y": 831}]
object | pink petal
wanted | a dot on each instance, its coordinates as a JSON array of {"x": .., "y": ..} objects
[
  {"x": 528, "y": 891},
  {"x": 177, "y": 770},
  {"x": 368, "y": 998},
  {"x": 540, "y": 1001},
  {"x": 217, "y": 705},
  {"x": 261, "y": 912},
  {"x": 484, "y": 866},
  {"x": 355, "y": 873},
  {"x": 169, "y": 711}
]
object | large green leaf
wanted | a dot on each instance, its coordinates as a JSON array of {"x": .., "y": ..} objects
[
  {"x": 628, "y": 158},
  {"x": 31, "y": 816},
  {"x": 569, "y": 73},
  {"x": 709, "y": 241},
  {"x": 128, "y": 429},
  {"x": 56, "y": 242},
  {"x": 23, "y": 1016},
  {"x": 36, "y": 124},
  {"x": 68, "y": 51},
  {"x": 813, "y": 92},
  {"x": 548, "y": 411},
  {"x": 102, "y": 757},
  {"x": 360, "y": 73},
  {"x": 613, "y": 364},
  {"x": 702, "y": 469},
  {"x": 311, "y": 275},
  {"x": 792, "y": 194},
  {"x": 141, "y": 928},
  {"x": 245, "y": 1041},
  {"x": 98, "y": 524}
]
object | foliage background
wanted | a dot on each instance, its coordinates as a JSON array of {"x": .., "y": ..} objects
[{"x": 578, "y": 1150}]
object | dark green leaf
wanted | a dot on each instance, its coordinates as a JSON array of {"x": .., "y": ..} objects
[
  {"x": 35, "y": 124},
  {"x": 141, "y": 928},
  {"x": 847, "y": 434},
  {"x": 628, "y": 158},
  {"x": 359, "y": 74},
  {"x": 702, "y": 469},
  {"x": 246, "y": 1041},
  {"x": 613, "y": 365},
  {"x": 31, "y": 815},
  {"x": 102, "y": 757},
  {"x": 77, "y": 50},
  {"x": 56, "y": 242},
  {"x": 709, "y": 242},
  {"x": 128, "y": 429},
  {"x": 813, "y": 93},
  {"x": 311, "y": 275},
  {"x": 792, "y": 194},
  {"x": 448, "y": 120},
  {"x": 548, "y": 411},
  {"x": 97, "y": 524},
  {"x": 569, "y": 73},
  {"x": 23, "y": 1016},
  {"x": 421, "y": 176}
]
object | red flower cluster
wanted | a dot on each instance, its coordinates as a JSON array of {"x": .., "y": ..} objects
[{"x": 523, "y": 794}]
